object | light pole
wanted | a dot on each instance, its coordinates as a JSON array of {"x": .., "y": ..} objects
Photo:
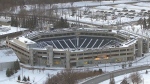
[
  {"x": 105, "y": 65},
  {"x": 114, "y": 67},
  {"x": 22, "y": 72}
]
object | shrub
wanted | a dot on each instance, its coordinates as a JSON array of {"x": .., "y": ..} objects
[
  {"x": 135, "y": 78},
  {"x": 69, "y": 76}
]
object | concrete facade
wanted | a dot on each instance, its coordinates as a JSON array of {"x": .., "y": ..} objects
[
  {"x": 140, "y": 47},
  {"x": 49, "y": 56}
]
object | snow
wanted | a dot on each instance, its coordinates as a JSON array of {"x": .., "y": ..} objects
[
  {"x": 4, "y": 19},
  {"x": 136, "y": 29},
  {"x": 9, "y": 29},
  {"x": 118, "y": 79},
  {"x": 142, "y": 4},
  {"x": 36, "y": 76},
  {"x": 7, "y": 55},
  {"x": 25, "y": 40},
  {"x": 93, "y": 3},
  {"x": 106, "y": 7}
]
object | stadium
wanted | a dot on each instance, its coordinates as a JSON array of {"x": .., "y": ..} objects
[{"x": 78, "y": 47}]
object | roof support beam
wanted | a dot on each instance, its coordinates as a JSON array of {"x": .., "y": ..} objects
[
  {"x": 83, "y": 42},
  {"x": 106, "y": 43},
  {"x": 45, "y": 43},
  {"x": 95, "y": 43},
  {"x": 66, "y": 43},
  {"x": 72, "y": 43},
  {"x": 88, "y": 43},
  {"x": 60, "y": 44},
  {"x": 54, "y": 44},
  {"x": 101, "y": 43}
]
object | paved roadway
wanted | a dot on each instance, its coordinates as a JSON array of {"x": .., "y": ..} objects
[{"x": 103, "y": 77}]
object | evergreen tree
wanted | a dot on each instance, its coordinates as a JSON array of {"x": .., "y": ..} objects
[
  {"x": 24, "y": 78},
  {"x": 23, "y": 24},
  {"x": 15, "y": 67},
  {"x": 28, "y": 78},
  {"x": 18, "y": 65},
  {"x": 100, "y": 70},
  {"x": 146, "y": 72},
  {"x": 140, "y": 22},
  {"x": 12, "y": 21},
  {"x": 34, "y": 21},
  {"x": 144, "y": 23},
  {"x": 62, "y": 23},
  {"x": 11, "y": 71},
  {"x": 124, "y": 81},
  {"x": 19, "y": 78},
  {"x": 148, "y": 21},
  {"x": 8, "y": 72},
  {"x": 113, "y": 1},
  {"x": 66, "y": 24}
]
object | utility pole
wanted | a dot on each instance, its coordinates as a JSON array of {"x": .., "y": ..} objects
[{"x": 22, "y": 72}]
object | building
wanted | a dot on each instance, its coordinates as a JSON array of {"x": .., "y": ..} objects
[
  {"x": 77, "y": 47},
  {"x": 7, "y": 59}
]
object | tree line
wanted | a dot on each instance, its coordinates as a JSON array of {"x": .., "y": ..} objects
[
  {"x": 31, "y": 21},
  {"x": 145, "y": 23},
  {"x": 14, "y": 69},
  {"x": 5, "y": 4},
  {"x": 28, "y": 22},
  {"x": 70, "y": 76}
]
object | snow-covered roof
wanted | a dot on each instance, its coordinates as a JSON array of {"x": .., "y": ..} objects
[
  {"x": 7, "y": 55},
  {"x": 9, "y": 29},
  {"x": 25, "y": 40}
]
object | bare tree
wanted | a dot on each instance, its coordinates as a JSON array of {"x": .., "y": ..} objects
[
  {"x": 140, "y": 22},
  {"x": 112, "y": 80},
  {"x": 135, "y": 78},
  {"x": 55, "y": 7},
  {"x": 69, "y": 76},
  {"x": 124, "y": 81}
]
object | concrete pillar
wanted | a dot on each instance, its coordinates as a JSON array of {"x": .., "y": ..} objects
[
  {"x": 147, "y": 45},
  {"x": 1, "y": 67},
  {"x": 31, "y": 57},
  {"x": 77, "y": 41},
  {"x": 77, "y": 37},
  {"x": 140, "y": 47},
  {"x": 134, "y": 49},
  {"x": 50, "y": 56},
  {"x": 67, "y": 59}
]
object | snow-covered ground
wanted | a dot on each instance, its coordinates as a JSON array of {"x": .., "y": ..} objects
[
  {"x": 10, "y": 29},
  {"x": 36, "y": 76},
  {"x": 94, "y": 11},
  {"x": 4, "y": 19},
  {"x": 7, "y": 55},
  {"x": 137, "y": 29},
  {"x": 145, "y": 78},
  {"x": 98, "y": 6},
  {"x": 76, "y": 4},
  {"x": 40, "y": 76}
]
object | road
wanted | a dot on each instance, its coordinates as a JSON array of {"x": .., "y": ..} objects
[{"x": 106, "y": 76}]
